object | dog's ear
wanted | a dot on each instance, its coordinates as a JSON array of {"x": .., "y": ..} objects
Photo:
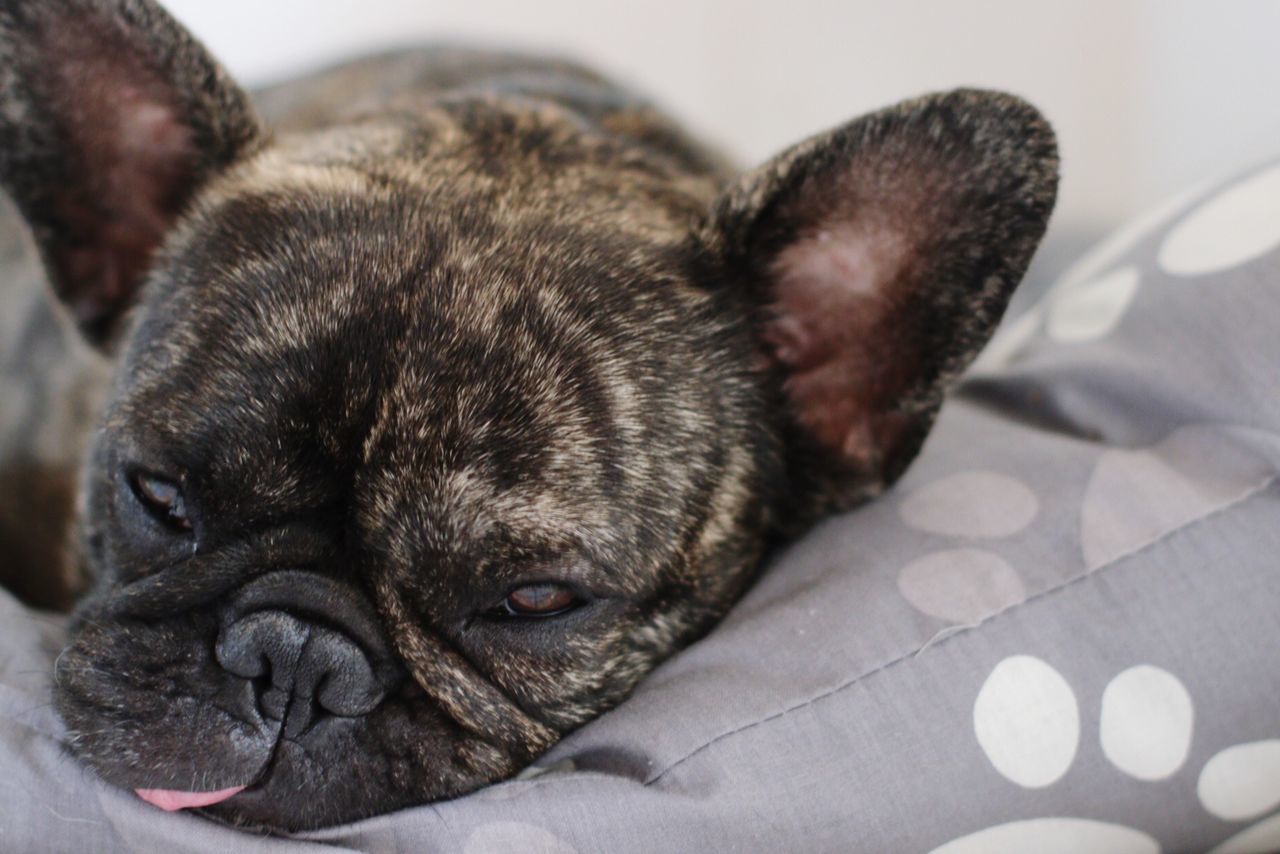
[
  {"x": 880, "y": 256},
  {"x": 111, "y": 116}
]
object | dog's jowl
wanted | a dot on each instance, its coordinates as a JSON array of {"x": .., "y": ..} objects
[{"x": 452, "y": 391}]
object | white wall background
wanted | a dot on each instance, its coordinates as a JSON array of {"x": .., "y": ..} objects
[{"x": 1147, "y": 95}]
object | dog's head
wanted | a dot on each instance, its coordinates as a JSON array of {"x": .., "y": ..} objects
[{"x": 432, "y": 433}]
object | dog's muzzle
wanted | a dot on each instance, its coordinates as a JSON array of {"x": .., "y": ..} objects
[{"x": 311, "y": 646}]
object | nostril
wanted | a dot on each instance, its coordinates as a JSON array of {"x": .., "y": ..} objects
[
  {"x": 342, "y": 681},
  {"x": 273, "y": 702},
  {"x": 260, "y": 644},
  {"x": 264, "y": 647},
  {"x": 289, "y": 659}
]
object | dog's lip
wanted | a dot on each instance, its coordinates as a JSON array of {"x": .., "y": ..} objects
[{"x": 171, "y": 800}]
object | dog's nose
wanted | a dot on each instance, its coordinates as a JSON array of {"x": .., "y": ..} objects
[
  {"x": 299, "y": 660},
  {"x": 310, "y": 647}
]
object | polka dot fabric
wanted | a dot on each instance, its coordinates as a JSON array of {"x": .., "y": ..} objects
[{"x": 1058, "y": 633}]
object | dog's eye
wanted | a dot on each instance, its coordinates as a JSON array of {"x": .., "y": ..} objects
[
  {"x": 163, "y": 498},
  {"x": 539, "y": 600}
]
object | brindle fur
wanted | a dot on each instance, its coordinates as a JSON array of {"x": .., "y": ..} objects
[{"x": 460, "y": 321}]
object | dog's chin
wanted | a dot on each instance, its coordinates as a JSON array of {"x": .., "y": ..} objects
[
  {"x": 302, "y": 791},
  {"x": 340, "y": 770},
  {"x": 288, "y": 784},
  {"x": 314, "y": 781},
  {"x": 343, "y": 770},
  {"x": 308, "y": 783},
  {"x": 157, "y": 718}
]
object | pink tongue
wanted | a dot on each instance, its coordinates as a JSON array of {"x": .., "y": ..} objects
[{"x": 170, "y": 800}]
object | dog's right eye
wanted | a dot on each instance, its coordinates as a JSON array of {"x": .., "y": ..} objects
[
  {"x": 163, "y": 499},
  {"x": 538, "y": 600}
]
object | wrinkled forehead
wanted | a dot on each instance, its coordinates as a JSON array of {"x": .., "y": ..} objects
[
  {"x": 439, "y": 222},
  {"x": 384, "y": 333}
]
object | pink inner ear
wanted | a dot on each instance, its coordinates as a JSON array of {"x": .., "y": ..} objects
[
  {"x": 838, "y": 293},
  {"x": 134, "y": 163}
]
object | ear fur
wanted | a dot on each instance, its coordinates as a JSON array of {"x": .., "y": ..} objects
[
  {"x": 880, "y": 257},
  {"x": 111, "y": 116}
]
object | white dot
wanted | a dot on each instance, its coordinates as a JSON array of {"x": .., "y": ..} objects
[
  {"x": 1110, "y": 249},
  {"x": 1237, "y": 225},
  {"x": 961, "y": 585},
  {"x": 971, "y": 504},
  {"x": 1089, "y": 311},
  {"x": 1052, "y": 836},
  {"x": 1134, "y": 497},
  {"x": 500, "y": 837},
  {"x": 1027, "y": 721},
  {"x": 1261, "y": 838},
  {"x": 1146, "y": 722},
  {"x": 1242, "y": 781}
]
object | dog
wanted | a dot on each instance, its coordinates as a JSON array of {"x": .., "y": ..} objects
[{"x": 451, "y": 391}]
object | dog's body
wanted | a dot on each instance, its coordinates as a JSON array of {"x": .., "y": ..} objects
[
  {"x": 51, "y": 388},
  {"x": 464, "y": 397}
]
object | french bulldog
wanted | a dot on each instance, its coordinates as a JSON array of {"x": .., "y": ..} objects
[{"x": 451, "y": 391}]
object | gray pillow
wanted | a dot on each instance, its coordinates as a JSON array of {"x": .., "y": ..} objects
[{"x": 1059, "y": 633}]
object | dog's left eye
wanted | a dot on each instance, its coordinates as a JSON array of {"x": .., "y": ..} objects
[
  {"x": 538, "y": 600},
  {"x": 163, "y": 498}
]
